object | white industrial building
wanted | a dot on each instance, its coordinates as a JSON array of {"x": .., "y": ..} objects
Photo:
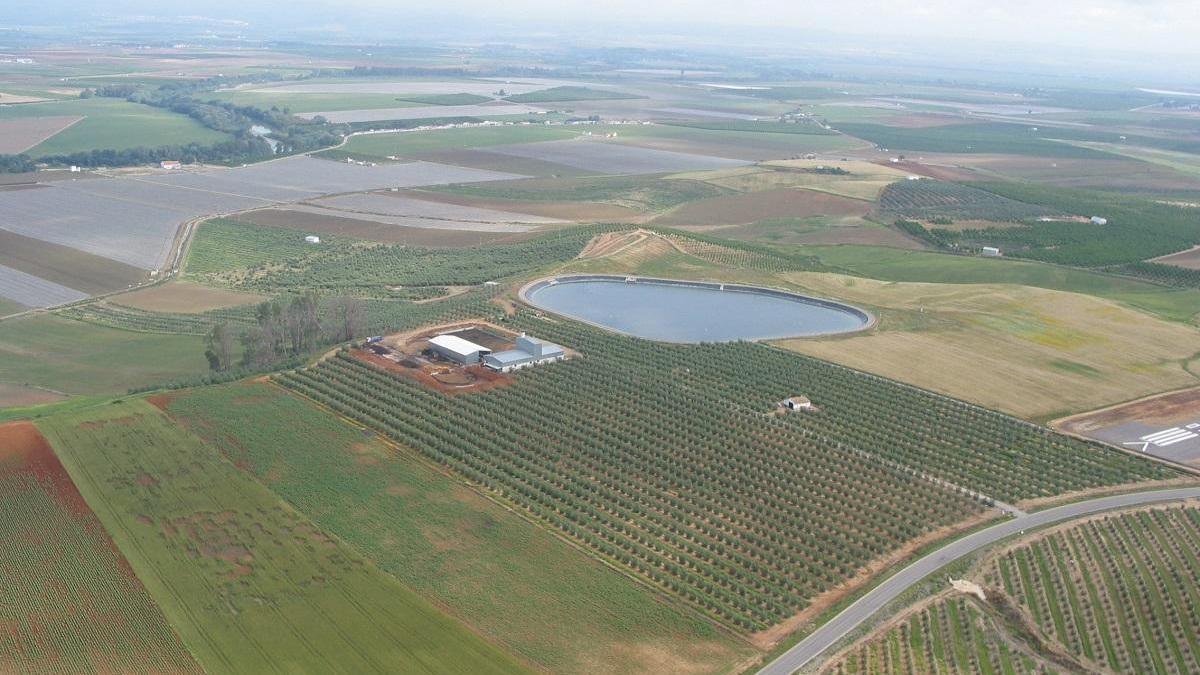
[
  {"x": 530, "y": 351},
  {"x": 457, "y": 349},
  {"x": 1097, "y": 220}
]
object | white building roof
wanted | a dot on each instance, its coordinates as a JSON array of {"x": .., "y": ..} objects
[{"x": 457, "y": 345}]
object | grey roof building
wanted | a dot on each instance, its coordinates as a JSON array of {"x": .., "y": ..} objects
[{"x": 530, "y": 351}]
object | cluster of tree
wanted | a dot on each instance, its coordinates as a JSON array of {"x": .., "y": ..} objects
[
  {"x": 827, "y": 170},
  {"x": 16, "y": 164},
  {"x": 935, "y": 237},
  {"x": 1159, "y": 273},
  {"x": 243, "y": 149},
  {"x": 284, "y": 330}
]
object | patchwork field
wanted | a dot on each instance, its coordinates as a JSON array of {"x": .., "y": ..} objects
[
  {"x": 249, "y": 583},
  {"x": 1112, "y": 593},
  {"x": 414, "y": 222},
  {"x": 743, "y": 145},
  {"x": 852, "y": 179},
  {"x": 67, "y": 266},
  {"x": 393, "y": 204},
  {"x": 21, "y": 134},
  {"x": 514, "y": 581},
  {"x": 1030, "y": 352},
  {"x": 329, "y": 223},
  {"x": 82, "y": 358},
  {"x": 32, "y": 291},
  {"x": 72, "y": 603},
  {"x": 638, "y": 193},
  {"x": 579, "y": 211},
  {"x": 134, "y": 219},
  {"x": 485, "y": 111},
  {"x": 750, "y": 207},
  {"x": 413, "y": 144},
  {"x": 1181, "y": 305},
  {"x": 110, "y": 123}
]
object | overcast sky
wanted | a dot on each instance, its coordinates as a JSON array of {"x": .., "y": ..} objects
[{"x": 1150, "y": 25}]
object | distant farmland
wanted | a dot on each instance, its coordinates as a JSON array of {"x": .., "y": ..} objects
[
  {"x": 111, "y": 124},
  {"x": 613, "y": 158}
]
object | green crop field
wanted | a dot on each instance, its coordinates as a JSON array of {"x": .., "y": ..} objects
[
  {"x": 447, "y": 543},
  {"x": 618, "y": 463},
  {"x": 1013, "y": 139},
  {"x": 1116, "y": 593},
  {"x": 144, "y": 321},
  {"x": 446, "y": 99},
  {"x": 1138, "y": 228},
  {"x": 809, "y": 127},
  {"x": 308, "y": 103},
  {"x": 250, "y": 584},
  {"x": 112, "y": 124},
  {"x": 265, "y": 258},
  {"x": 83, "y": 358},
  {"x": 924, "y": 199},
  {"x": 891, "y": 264},
  {"x": 70, "y": 603}
]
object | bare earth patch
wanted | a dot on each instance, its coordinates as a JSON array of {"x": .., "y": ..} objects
[
  {"x": 19, "y": 395},
  {"x": 183, "y": 297},
  {"x": 1189, "y": 259},
  {"x": 19, "y": 135}
]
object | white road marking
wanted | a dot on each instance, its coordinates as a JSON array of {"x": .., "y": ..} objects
[
  {"x": 1162, "y": 434},
  {"x": 1173, "y": 441}
]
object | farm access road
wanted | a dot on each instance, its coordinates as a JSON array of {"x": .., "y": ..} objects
[{"x": 828, "y": 634}]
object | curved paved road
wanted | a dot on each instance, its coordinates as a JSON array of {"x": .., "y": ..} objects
[{"x": 825, "y": 636}]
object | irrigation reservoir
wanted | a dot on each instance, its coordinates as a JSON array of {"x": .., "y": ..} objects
[{"x": 691, "y": 311}]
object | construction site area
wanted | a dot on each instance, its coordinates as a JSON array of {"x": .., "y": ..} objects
[{"x": 458, "y": 358}]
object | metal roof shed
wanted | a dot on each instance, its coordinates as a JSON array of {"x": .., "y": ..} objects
[{"x": 457, "y": 349}]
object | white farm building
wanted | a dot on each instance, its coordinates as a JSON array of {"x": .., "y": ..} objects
[
  {"x": 457, "y": 349},
  {"x": 530, "y": 351}
]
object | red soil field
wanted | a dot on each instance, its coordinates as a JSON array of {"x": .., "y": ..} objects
[
  {"x": 458, "y": 381},
  {"x": 70, "y": 600}
]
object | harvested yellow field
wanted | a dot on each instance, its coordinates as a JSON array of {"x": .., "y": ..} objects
[{"x": 1031, "y": 352}]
